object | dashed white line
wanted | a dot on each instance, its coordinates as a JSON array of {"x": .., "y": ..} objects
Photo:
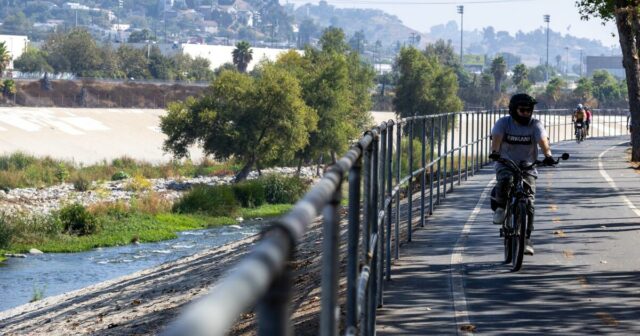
[{"x": 461, "y": 314}]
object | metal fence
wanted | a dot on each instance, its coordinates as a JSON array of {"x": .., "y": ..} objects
[{"x": 453, "y": 146}]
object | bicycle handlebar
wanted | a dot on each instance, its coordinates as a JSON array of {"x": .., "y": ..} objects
[{"x": 512, "y": 164}]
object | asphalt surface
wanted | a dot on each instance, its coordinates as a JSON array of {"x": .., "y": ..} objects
[{"x": 583, "y": 279}]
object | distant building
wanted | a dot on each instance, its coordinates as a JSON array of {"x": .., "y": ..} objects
[
  {"x": 612, "y": 64},
  {"x": 221, "y": 54},
  {"x": 16, "y": 45}
]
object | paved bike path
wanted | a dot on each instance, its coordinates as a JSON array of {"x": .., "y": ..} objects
[{"x": 584, "y": 278}]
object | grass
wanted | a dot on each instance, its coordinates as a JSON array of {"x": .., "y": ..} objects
[{"x": 123, "y": 230}]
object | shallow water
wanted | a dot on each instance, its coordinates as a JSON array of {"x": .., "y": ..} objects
[{"x": 57, "y": 273}]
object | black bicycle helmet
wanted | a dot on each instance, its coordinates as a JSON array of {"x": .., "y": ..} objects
[{"x": 521, "y": 99}]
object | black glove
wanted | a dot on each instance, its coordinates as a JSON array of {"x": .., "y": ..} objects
[
  {"x": 549, "y": 161},
  {"x": 495, "y": 156}
]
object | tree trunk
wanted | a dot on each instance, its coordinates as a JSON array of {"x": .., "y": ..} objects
[
  {"x": 320, "y": 159},
  {"x": 244, "y": 172},
  {"x": 626, "y": 20},
  {"x": 299, "y": 167}
]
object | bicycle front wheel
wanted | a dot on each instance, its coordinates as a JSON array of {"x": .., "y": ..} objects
[
  {"x": 508, "y": 238},
  {"x": 519, "y": 234}
]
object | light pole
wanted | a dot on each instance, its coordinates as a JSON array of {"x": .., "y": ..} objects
[
  {"x": 547, "y": 19},
  {"x": 580, "y": 62},
  {"x": 566, "y": 70},
  {"x": 461, "y": 12}
]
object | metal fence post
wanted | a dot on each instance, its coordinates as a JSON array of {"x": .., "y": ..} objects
[
  {"x": 381, "y": 180},
  {"x": 446, "y": 154},
  {"x": 355, "y": 177},
  {"x": 273, "y": 310},
  {"x": 375, "y": 237},
  {"x": 466, "y": 148},
  {"x": 423, "y": 175},
  {"x": 397, "y": 226},
  {"x": 389, "y": 190},
  {"x": 439, "y": 160},
  {"x": 329, "y": 298},
  {"x": 460, "y": 149},
  {"x": 366, "y": 234},
  {"x": 453, "y": 146},
  {"x": 432, "y": 145},
  {"x": 410, "y": 185}
]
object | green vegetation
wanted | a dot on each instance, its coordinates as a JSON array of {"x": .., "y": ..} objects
[
  {"x": 20, "y": 170},
  {"x": 147, "y": 217}
]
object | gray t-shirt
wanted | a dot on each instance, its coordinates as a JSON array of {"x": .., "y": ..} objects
[{"x": 519, "y": 143}]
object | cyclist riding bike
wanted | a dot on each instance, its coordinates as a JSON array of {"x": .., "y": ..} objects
[
  {"x": 587, "y": 122},
  {"x": 517, "y": 137}
]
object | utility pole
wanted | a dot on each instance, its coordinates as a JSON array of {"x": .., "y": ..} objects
[
  {"x": 547, "y": 19},
  {"x": 461, "y": 12},
  {"x": 566, "y": 70}
]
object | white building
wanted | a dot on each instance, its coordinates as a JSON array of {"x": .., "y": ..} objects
[
  {"x": 221, "y": 54},
  {"x": 16, "y": 45}
]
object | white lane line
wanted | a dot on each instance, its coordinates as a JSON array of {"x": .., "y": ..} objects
[
  {"x": 456, "y": 272},
  {"x": 612, "y": 183}
]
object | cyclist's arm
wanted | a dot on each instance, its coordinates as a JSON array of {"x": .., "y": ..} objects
[
  {"x": 544, "y": 145},
  {"x": 496, "y": 141}
]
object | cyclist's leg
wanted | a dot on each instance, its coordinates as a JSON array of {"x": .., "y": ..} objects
[{"x": 504, "y": 178}]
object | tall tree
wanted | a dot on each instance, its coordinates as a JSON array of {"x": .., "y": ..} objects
[
  {"x": 554, "y": 90},
  {"x": 242, "y": 55},
  {"x": 498, "y": 70},
  {"x": 32, "y": 60},
  {"x": 520, "y": 74},
  {"x": 627, "y": 19},
  {"x": 424, "y": 86},
  {"x": 75, "y": 52},
  {"x": 254, "y": 119}
]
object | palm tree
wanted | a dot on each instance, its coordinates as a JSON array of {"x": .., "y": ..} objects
[
  {"x": 5, "y": 58},
  {"x": 242, "y": 55},
  {"x": 498, "y": 69}
]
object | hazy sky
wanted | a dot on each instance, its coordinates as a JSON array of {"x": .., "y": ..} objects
[{"x": 509, "y": 15}]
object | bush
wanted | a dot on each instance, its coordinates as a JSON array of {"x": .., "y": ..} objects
[
  {"x": 250, "y": 193},
  {"x": 62, "y": 173},
  {"x": 77, "y": 220},
  {"x": 212, "y": 200},
  {"x": 6, "y": 232},
  {"x": 81, "y": 183},
  {"x": 120, "y": 175},
  {"x": 282, "y": 189},
  {"x": 151, "y": 203},
  {"x": 119, "y": 209},
  {"x": 138, "y": 183}
]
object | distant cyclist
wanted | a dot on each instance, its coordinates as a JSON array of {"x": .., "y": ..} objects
[
  {"x": 579, "y": 116},
  {"x": 517, "y": 137},
  {"x": 587, "y": 121}
]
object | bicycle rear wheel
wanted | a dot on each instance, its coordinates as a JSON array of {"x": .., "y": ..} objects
[{"x": 519, "y": 235}]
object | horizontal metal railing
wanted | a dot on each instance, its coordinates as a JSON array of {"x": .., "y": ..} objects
[{"x": 262, "y": 279}]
